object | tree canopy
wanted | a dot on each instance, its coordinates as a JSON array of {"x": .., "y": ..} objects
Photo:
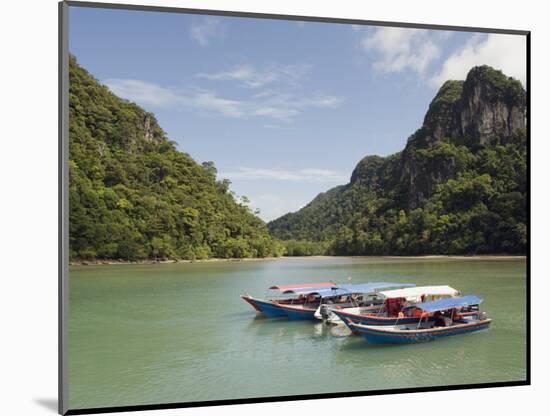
[{"x": 133, "y": 195}]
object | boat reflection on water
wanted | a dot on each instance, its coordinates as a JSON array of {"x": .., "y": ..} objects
[{"x": 340, "y": 331}]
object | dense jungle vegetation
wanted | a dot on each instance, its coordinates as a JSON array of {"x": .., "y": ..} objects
[{"x": 133, "y": 195}]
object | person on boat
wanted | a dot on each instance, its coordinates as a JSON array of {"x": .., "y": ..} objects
[
  {"x": 457, "y": 316},
  {"x": 311, "y": 298},
  {"x": 439, "y": 319}
]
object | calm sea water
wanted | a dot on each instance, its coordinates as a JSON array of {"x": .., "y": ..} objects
[{"x": 145, "y": 334}]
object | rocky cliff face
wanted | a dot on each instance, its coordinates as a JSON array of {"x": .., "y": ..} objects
[
  {"x": 487, "y": 108},
  {"x": 151, "y": 129},
  {"x": 474, "y": 134},
  {"x": 492, "y": 107}
]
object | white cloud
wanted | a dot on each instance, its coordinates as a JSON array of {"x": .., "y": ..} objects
[
  {"x": 209, "y": 101},
  {"x": 142, "y": 92},
  {"x": 252, "y": 77},
  {"x": 268, "y": 104},
  {"x": 275, "y": 103},
  {"x": 504, "y": 52},
  {"x": 273, "y": 206},
  {"x": 401, "y": 48},
  {"x": 280, "y": 113},
  {"x": 209, "y": 28},
  {"x": 310, "y": 175},
  {"x": 149, "y": 94},
  {"x": 284, "y": 106}
]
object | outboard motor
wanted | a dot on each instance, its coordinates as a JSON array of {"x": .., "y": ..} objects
[{"x": 325, "y": 312}]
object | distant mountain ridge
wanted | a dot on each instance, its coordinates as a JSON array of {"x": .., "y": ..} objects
[{"x": 458, "y": 186}]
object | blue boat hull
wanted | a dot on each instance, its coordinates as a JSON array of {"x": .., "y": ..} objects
[
  {"x": 298, "y": 314},
  {"x": 268, "y": 308},
  {"x": 379, "y": 335},
  {"x": 271, "y": 310}
]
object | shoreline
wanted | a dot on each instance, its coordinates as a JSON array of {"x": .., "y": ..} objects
[{"x": 106, "y": 262}]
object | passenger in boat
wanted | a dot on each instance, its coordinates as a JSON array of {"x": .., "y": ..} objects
[
  {"x": 439, "y": 319},
  {"x": 447, "y": 318},
  {"x": 457, "y": 316}
]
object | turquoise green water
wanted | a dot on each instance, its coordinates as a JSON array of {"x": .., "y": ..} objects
[{"x": 145, "y": 334}]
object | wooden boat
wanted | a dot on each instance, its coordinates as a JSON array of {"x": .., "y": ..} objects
[
  {"x": 362, "y": 296},
  {"x": 340, "y": 296},
  {"x": 311, "y": 300},
  {"x": 393, "y": 309},
  {"x": 282, "y": 294},
  {"x": 457, "y": 318}
]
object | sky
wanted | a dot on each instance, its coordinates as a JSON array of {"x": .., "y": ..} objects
[{"x": 284, "y": 109}]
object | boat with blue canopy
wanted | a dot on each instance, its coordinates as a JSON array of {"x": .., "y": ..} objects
[
  {"x": 282, "y": 294},
  {"x": 450, "y": 316},
  {"x": 322, "y": 301},
  {"x": 393, "y": 306},
  {"x": 363, "y": 296}
]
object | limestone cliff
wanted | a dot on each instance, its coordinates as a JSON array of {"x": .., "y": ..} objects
[
  {"x": 471, "y": 145},
  {"x": 487, "y": 108}
]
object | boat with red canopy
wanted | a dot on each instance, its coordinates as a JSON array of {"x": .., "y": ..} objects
[
  {"x": 393, "y": 306},
  {"x": 278, "y": 295},
  {"x": 323, "y": 300}
]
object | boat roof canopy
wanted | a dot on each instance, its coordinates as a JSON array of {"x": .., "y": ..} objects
[
  {"x": 310, "y": 288},
  {"x": 301, "y": 286},
  {"x": 449, "y": 303},
  {"x": 372, "y": 287},
  {"x": 341, "y": 290},
  {"x": 328, "y": 292},
  {"x": 415, "y": 292}
]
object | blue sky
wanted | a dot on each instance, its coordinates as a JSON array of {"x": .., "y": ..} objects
[{"x": 284, "y": 109}]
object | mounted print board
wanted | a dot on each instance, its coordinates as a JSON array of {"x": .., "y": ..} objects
[{"x": 261, "y": 208}]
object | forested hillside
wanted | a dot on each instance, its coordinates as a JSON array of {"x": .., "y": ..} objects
[
  {"x": 458, "y": 187},
  {"x": 134, "y": 196}
]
